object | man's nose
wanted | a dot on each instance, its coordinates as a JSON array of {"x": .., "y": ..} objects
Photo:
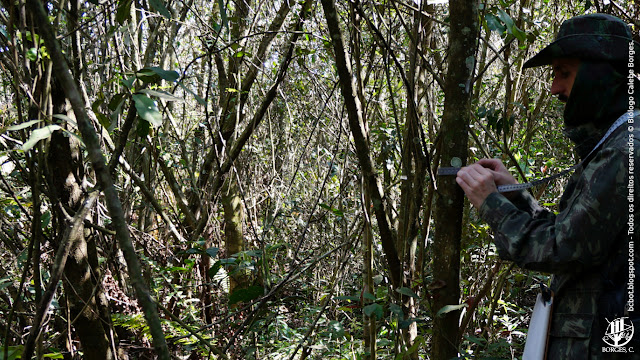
[{"x": 557, "y": 87}]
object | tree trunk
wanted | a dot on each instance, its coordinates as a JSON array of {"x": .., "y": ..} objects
[
  {"x": 450, "y": 198},
  {"x": 233, "y": 234},
  {"x": 66, "y": 172}
]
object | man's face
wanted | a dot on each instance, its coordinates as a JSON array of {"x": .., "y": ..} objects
[{"x": 564, "y": 74}]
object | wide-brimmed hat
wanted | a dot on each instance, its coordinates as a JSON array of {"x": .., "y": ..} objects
[{"x": 593, "y": 37}]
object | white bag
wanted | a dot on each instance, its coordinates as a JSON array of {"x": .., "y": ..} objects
[{"x": 538, "y": 334}]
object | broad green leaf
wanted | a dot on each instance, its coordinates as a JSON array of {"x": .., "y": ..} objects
[
  {"x": 104, "y": 121},
  {"x": 214, "y": 269},
  {"x": 128, "y": 82},
  {"x": 212, "y": 251},
  {"x": 159, "y": 6},
  {"x": 449, "y": 308},
  {"x": 23, "y": 125},
  {"x": 373, "y": 309},
  {"x": 246, "y": 295},
  {"x": 32, "y": 54},
  {"x": 15, "y": 352},
  {"x": 506, "y": 19},
  {"x": 161, "y": 94},
  {"x": 397, "y": 310},
  {"x": 408, "y": 292},
  {"x": 124, "y": 11},
  {"x": 334, "y": 211},
  {"x": 494, "y": 24},
  {"x": 169, "y": 75},
  {"x": 143, "y": 129},
  {"x": 369, "y": 296},
  {"x": 511, "y": 26},
  {"x": 147, "y": 109},
  {"x": 45, "y": 219},
  {"x": 39, "y": 134}
]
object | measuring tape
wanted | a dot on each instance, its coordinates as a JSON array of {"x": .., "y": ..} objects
[{"x": 448, "y": 171}]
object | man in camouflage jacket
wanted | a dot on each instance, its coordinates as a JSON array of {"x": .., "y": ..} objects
[{"x": 586, "y": 244}]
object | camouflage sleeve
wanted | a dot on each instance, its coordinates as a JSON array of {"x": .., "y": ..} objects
[
  {"x": 523, "y": 200},
  {"x": 580, "y": 235}
]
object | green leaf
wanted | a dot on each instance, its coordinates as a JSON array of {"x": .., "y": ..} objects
[
  {"x": 336, "y": 212},
  {"x": 369, "y": 296},
  {"x": 15, "y": 352},
  {"x": 408, "y": 292},
  {"x": 169, "y": 75},
  {"x": 32, "y": 54},
  {"x": 53, "y": 355},
  {"x": 494, "y": 24},
  {"x": 23, "y": 125},
  {"x": 128, "y": 82},
  {"x": 45, "y": 219},
  {"x": 246, "y": 295},
  {"x": 397, "y": 310},
  {"x": 212, "y": 251},
  {"x": 124, "y": 11},
  {"x": 39, "y": 134},
  {"x": 143, "y": 129},
  {"x": 104, "y": 121},
  {"x": 373, "y": 309},
  {"x": 161, "y": 94},
  {"x": 159, "y": 6},
  {"x": 200, "y": 100},
  {"x": 352, "y": 298},
  {"x": 511, "y": 26},
  {"x": 449, "y": 308},
  {"x": 147, "y": 109},
  {"x": 214, "y": 269}
]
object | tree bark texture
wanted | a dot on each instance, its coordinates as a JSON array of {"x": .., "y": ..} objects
[
  {"x": 66, "y": 173},
  {"x": 450, "y": 198}
]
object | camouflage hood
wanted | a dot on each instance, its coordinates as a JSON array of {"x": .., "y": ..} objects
[
  {"x": 598, "y": 37},
  {"x": 603, "y": 43},
  {"x": 598, "y": 97}
]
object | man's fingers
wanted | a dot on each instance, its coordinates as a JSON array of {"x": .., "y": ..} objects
[
  {"x": 493, "y": 164},
  {"x": 476, "y": 176}
]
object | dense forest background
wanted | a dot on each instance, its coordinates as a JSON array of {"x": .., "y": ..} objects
[{"x": 249, "y": 179}]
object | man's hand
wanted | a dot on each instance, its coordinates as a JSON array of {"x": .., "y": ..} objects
[
  {"x": 501, "y": 175},
  {"x": 482, "y": 178}
]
